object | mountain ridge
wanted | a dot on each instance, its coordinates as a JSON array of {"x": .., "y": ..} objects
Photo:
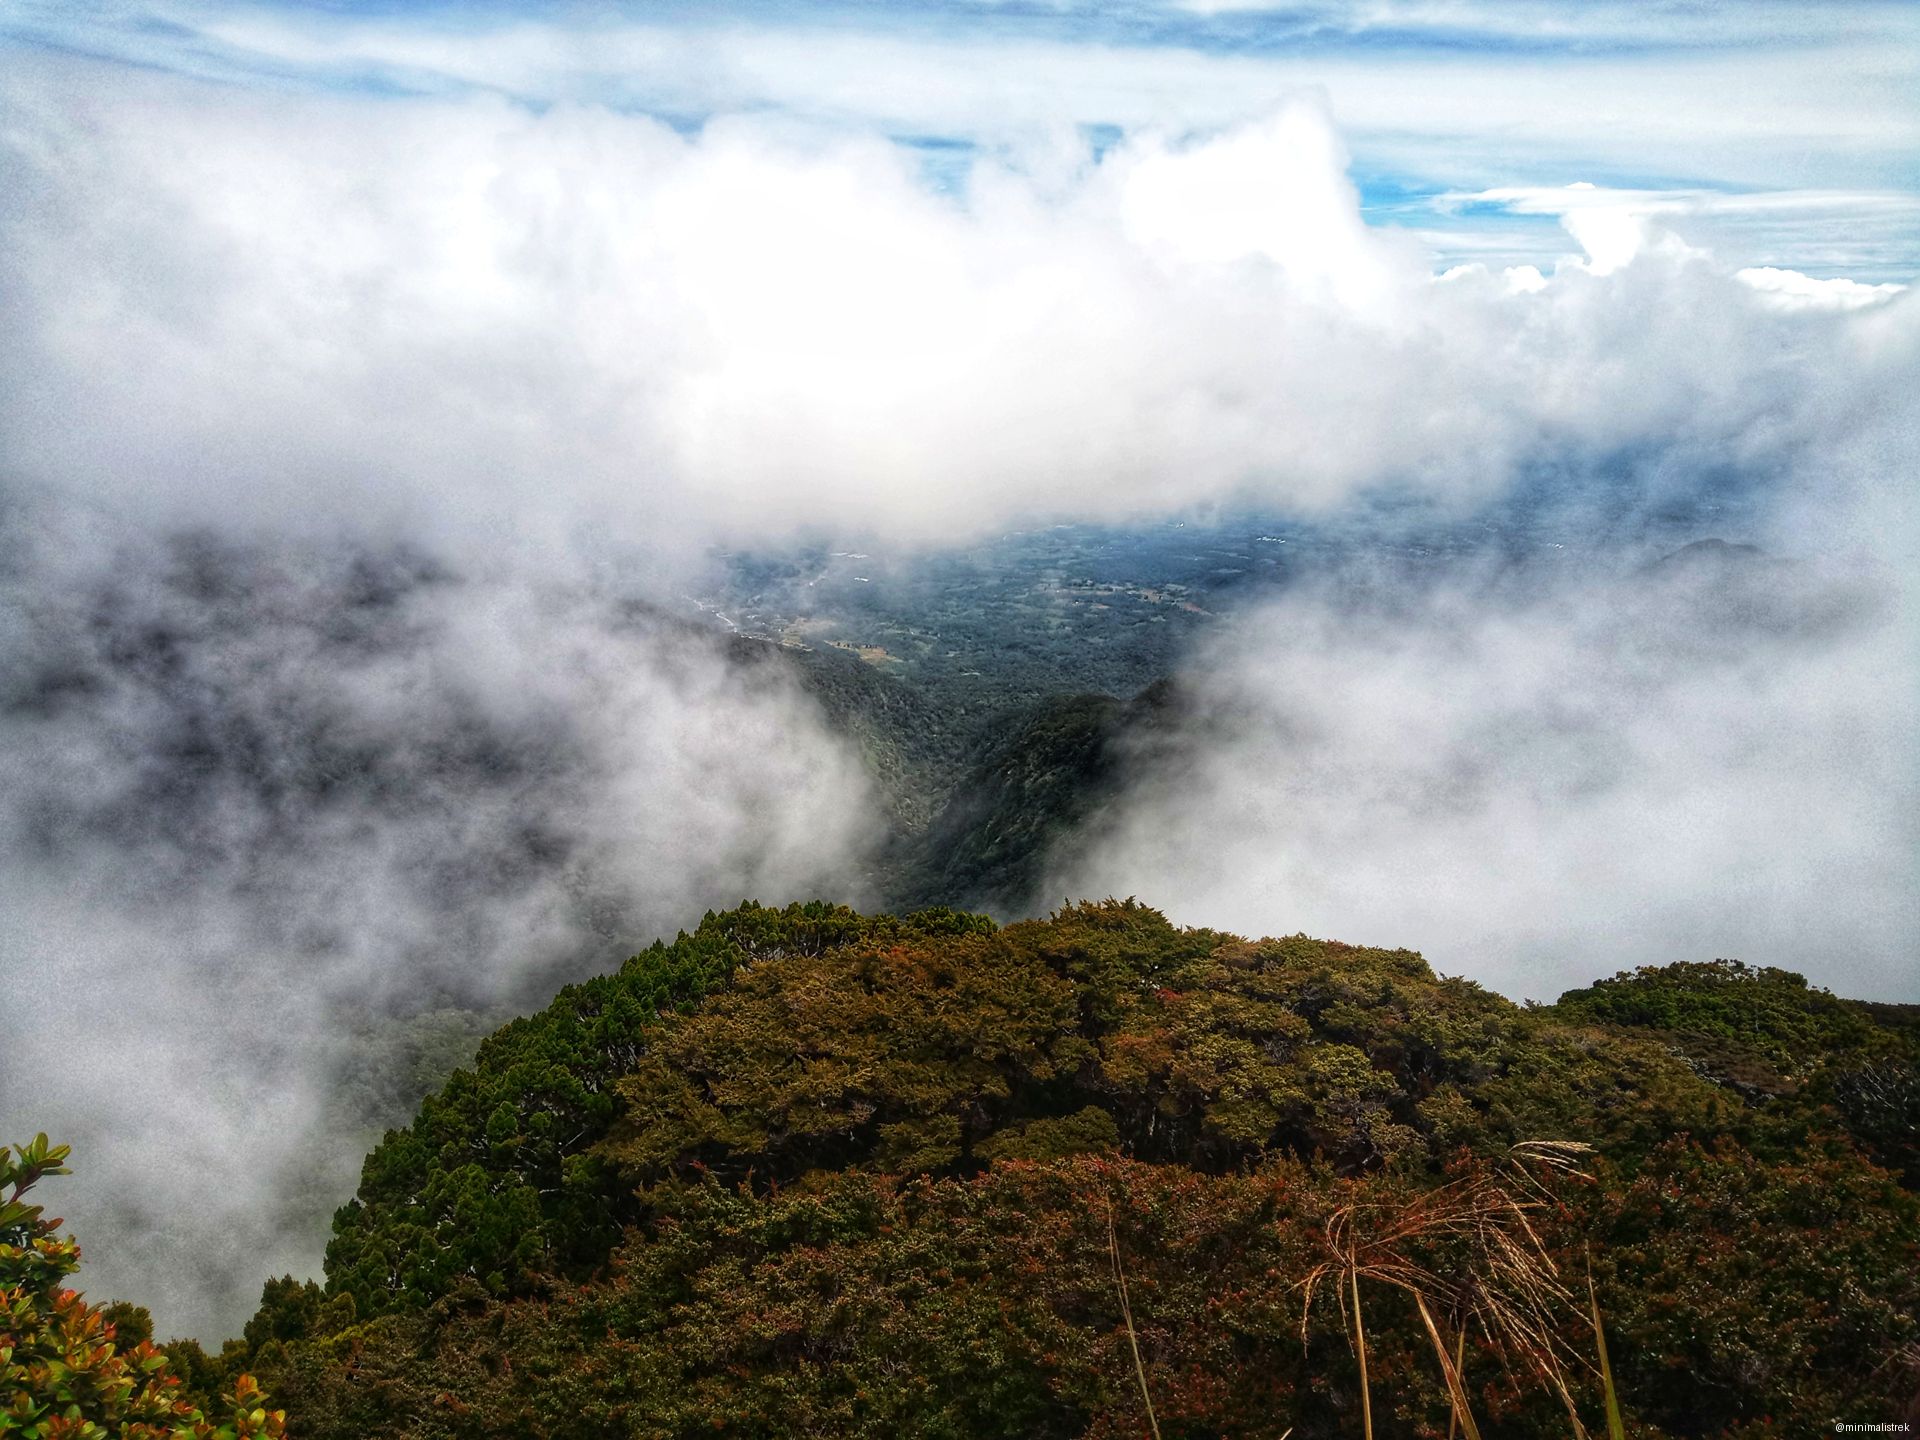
[{"x": 811, "y": 1072}]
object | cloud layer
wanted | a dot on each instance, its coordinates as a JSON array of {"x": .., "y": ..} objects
[
  {"x": 500, "y": 327},
  {"x": 346, "y": 438},
  {"x": 1544, "y": 777},
  {"x": 275, "y": 813},
  {"x": 1761, "y": 96}
]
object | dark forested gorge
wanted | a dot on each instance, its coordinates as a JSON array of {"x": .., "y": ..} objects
[{"x": 806, "y": 1171}]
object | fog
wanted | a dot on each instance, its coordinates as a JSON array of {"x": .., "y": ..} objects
[
  {"x": 1546, "y": 762},
  {"x": 285, "y": 825},
  {"x": 351, "y": 446},
  {"x": 1540, "y": 779}
]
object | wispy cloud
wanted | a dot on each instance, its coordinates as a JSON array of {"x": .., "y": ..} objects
[
  {"x": 1833, "y": 233},
  {"x": 264, "y": 805},
  {"x": 1435, "y": 97}
]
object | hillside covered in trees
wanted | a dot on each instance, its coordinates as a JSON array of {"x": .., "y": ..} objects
[{"x": 808, "y": 1172}]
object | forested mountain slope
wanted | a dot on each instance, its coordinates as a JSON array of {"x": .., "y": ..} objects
[
  {"x": 809, "y": 1172},
  {"x": 1025, "y": 787}
]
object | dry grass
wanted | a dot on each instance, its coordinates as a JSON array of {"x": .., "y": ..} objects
[
  {"x": 1502, "y": 1279},
  {"x": 1126, "y": 1314},
  {"x": 1498, "y": 1278},
  {"x": 1616, "y": 1427}
]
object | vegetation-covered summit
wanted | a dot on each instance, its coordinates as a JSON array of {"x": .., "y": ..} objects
[{"x": 809, "y": 1172}]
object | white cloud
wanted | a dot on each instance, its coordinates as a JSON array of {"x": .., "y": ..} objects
[
  {"x": 252, "y": 795},
  {"x": 1825, "y": 229},
  {"x": 1275, "y": 189},
  {"x": 1790, "y": 290},
  {"x": 1763, "y": 96},
  {"x": 1541, "y": 783},
  {"x": 464, "y": 320}
]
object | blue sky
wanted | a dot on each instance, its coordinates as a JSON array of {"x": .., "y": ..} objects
[{"x": 1782, "y": 135}]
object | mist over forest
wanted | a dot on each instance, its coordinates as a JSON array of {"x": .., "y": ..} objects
[{"x": 453, "y": 534}]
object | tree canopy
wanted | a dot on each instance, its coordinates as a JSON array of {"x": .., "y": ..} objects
[{"x": 808, "y": 1172}]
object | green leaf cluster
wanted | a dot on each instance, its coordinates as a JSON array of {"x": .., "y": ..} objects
[
  {"x": 1778, "y": 1043},
  {"x": 67, "y": 1372}
]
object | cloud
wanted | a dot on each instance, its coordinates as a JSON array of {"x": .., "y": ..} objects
[
  {"x": 1432, "y": 97},
  {"x": 464, "y": 319},
  {"x": 1541, "y": 779},
  {"x": 1827, "y": 230},
  {"x": 1790, "y": 290},
  {"x": 273, "y": 811},
  {"x": 1597, "y": 756}
]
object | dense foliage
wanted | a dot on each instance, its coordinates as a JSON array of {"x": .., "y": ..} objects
[
  {"x": 870, "y": 1304},
  {"x": 498, "y": 1178},
  {"x": 1774, "y": 1039},
  {"x": 1025, "y": 787},
  {"x": 807, "y": 1172}
]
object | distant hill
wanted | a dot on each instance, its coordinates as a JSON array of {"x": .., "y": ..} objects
[{"x": 808, "y": 1172}]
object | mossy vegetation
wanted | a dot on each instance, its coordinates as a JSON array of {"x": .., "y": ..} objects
[{"x": 807, "y": 1172}]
